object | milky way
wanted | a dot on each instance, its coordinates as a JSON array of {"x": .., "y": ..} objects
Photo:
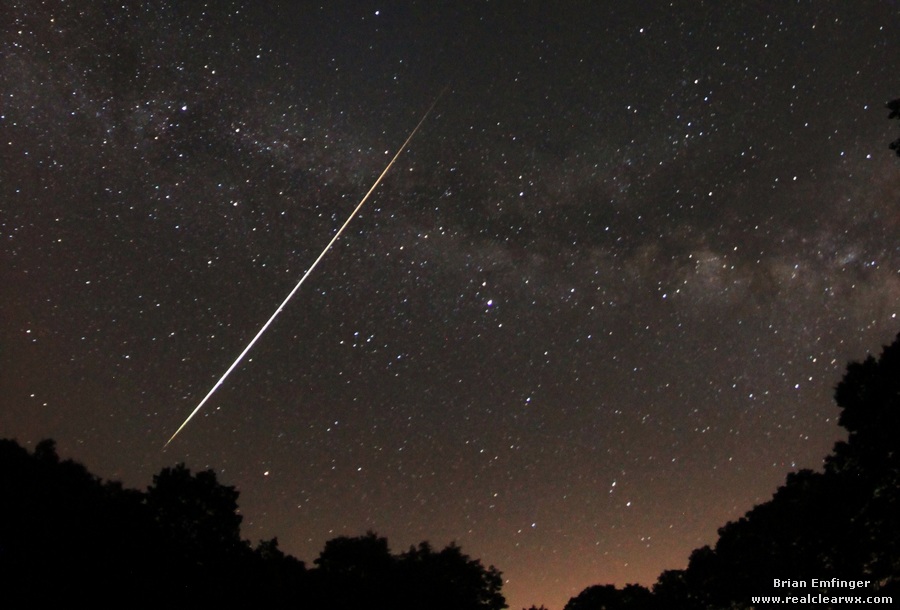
[{"x": 597, "y": 312}]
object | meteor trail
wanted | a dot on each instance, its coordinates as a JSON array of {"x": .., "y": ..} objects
[{"x": 308, "y": 271}]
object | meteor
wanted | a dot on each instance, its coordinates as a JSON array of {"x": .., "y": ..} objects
[{"x": 308, "y": 271}]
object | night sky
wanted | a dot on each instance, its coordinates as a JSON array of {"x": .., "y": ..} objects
[{"x": 596, "y": 310}]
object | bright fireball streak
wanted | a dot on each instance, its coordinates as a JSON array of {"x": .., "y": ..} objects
[{"x": 305, "y": 275}]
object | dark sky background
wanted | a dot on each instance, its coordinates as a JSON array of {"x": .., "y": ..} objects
[{"x": 596, "y": 310}]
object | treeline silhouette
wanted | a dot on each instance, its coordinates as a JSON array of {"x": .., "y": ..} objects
[
  {"x": 67, "y": 536},
  {"x": 843, "y": 522}
]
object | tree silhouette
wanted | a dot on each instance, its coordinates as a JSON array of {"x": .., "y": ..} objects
[
  {"x": 608, "y": 597},
  {"x": 60, "y": 526},
  {"x": 195, "y": 509},
  {"x": 356, "y": 572},
  {"x": 449, "y": 580},
  {"x": 178, "y": 545},
  {"x": 361, "y": 558},
  {"x": 197, "y": 524},
  {"x": 45, "y": 451},
  {"x": 179, "y": 542},
  {"x": 869, "y": 398},
  {"x": 894, "y": 107},
  {"x": 680, "y": 590},
  {"x": 274, "y": 579},
  {"x": 843, "y": 522},
  {"x": 360, "y": 572}
]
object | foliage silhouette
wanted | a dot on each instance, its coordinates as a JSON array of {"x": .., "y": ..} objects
[
  {"x": 843, "y": 522},
  {"x": 356, "y": 572},
  {"x": 62, "y": 529},
  {"x": 894, "y": 107},
  {"x": 361, "y": 572},
  {"x": 195, "y": 512},
  {"x": 66, "y": 535},
  {"x": 178, "y": 543},
  {"x": 608, "y": 597},
  {"x": 869, "y": 397},
  {"x": 449, "y": 580}
]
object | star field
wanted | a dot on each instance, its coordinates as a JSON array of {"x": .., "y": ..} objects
[{"x": 596, "y": 310}]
